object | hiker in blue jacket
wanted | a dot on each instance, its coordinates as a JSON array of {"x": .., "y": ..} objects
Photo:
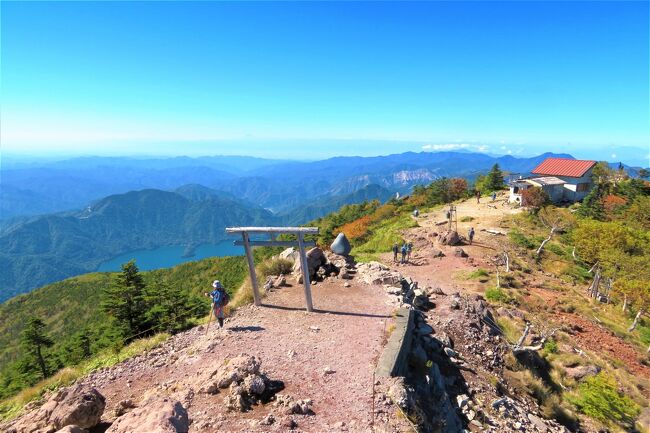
[
  {"x": 404, "y": 251},
  {"x": 219, "y": 300}
]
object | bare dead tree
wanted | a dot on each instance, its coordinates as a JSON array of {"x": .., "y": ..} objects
[
  {"x": 544, "y": 336},
  {"x": 555, "y": 220},
  {"x": 635, "y": 322}
]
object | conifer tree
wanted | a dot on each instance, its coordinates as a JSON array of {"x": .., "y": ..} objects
[
  {"x": 124, "y": 300},
  {"x": 34, "y": 340},
  {"x": 170, "y": 307},
  {"x": 494, "y": 179}
]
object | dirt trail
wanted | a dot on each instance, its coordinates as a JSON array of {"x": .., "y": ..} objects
[
  {"x": 447, "y": 273},
  {"x": 345, "y": 335}
]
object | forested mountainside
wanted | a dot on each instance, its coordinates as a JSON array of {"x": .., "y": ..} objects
[{"x": 43, "y": 249}]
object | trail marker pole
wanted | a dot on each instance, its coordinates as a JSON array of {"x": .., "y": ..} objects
[{"x": 209, "y": 318}]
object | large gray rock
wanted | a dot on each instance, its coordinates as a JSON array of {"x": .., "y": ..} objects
[
  {"x": 157, "y": 416},
  {"x": 582, "y": 371},
  {"x": 315, "y": 259},
  {"x": 341, "y": 245},
  {"x": 450, "y": 237},
  {"x": 289, "y": 254},
  {"x": 73, "y": 406}
]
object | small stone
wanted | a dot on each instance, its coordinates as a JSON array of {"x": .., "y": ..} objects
[{"x": 329, "y": 370}]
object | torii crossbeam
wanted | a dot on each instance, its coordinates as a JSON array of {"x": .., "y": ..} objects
[{"x": 299, "y": 232}]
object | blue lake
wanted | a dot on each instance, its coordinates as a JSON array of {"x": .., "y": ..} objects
[{"x": 167, "y": 257}]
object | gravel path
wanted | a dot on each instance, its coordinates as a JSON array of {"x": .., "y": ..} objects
[{"x": 344, "y": 336}]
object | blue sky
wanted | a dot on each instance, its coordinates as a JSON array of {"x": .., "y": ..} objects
[{"x": 311, "y": 80}]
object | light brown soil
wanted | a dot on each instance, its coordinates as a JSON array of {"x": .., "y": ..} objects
[
  {"x": 346, "y": 334},
  {"x": 598, "y": 339}
]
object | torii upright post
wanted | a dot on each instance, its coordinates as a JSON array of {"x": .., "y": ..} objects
[
  {"x": 305, "y": 272},
  {"x": 251, "y": 269}
]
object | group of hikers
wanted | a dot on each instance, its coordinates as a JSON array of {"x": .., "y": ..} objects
[
  {"x": 478, "y": 196},
  {"x": 405, "y": 250}
]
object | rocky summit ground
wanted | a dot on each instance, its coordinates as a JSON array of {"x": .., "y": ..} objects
[{"x": 278, "y": 368}]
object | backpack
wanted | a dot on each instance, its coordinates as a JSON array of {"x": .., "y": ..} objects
[{"x": 225, "y": 298}]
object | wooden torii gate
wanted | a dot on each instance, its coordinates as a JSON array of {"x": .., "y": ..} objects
[{"x": 301, "y": 243}]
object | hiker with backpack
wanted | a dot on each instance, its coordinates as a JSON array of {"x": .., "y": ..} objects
[
  {"x": 395, "y": 251},
  {"x": 470, "y": 235},
  {"x": 220, "y": 299},
  {"x": 409, "y": 247},
  {"x": 404, "y": 251}
]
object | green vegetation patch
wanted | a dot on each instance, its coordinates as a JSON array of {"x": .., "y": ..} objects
[
  {"x": 495, "y": 294},
  {"x": 598, "y": 397},
  {"x": 385, "y": 234}
]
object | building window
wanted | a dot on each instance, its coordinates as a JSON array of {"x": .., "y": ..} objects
[{"x": 581, "y": 187}]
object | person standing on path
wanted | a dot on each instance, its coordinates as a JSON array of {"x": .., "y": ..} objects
[
  {"x": 404, "y": 251},
  {"x": 409, "y": 247},
  {"x": 470, "y": 235},
  {"x": 395, "y": 251},
  {"x": 219, "y": 300},
  {"x": 478, "y": 196}
]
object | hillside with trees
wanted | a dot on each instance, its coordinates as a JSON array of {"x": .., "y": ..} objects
[{"x": 50, "y": 248}]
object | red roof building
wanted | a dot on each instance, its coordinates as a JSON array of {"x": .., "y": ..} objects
[{"x": 563, "y": 167}]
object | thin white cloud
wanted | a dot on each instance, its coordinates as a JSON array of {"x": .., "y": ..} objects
[{"x": 446, "y": 146}]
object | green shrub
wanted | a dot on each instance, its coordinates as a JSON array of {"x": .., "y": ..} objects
[
  {"x": 386, "y": 233},
  {"x": 520, "y": 240},
  {"x": 598, "y": 397},
  {"x": 550, "y": 347},
  {"x": 466, "y": 219},
  {"x": 478, "y": 274},
  {"x": 276, "y": 266},
  {"x": 496, "y": 294}
]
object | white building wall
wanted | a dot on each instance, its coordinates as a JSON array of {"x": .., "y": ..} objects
[{"x": 571, "y": 192}]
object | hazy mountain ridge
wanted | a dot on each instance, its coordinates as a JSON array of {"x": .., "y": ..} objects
[{"x": 278, "y": 185}]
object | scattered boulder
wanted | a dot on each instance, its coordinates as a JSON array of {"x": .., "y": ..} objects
[
  {"x": 290, "y": 406},
  {"x": 289, "y": 254},
  {"x": 450, "y": 237},
  {"x": 459, "y": 252},
  {"x": 315, "y": 259},
  {"x": 72, "y": 429},
  {"x": 236, "y": 370},
  {"x": 270, "y": 283},
  {"x": 374, "y": 273},
  {"x": 341, "y": 245},
  {"x": 582, "y": 371},
  {"x": 280, "y": 281},
  {"x": 436, "y": 253},
  {"x": 246, "y": 385},
  {"x": 156, "y": 416},
  {"x": 73, "y": 406},
  {"x": 123, "y": 407}
]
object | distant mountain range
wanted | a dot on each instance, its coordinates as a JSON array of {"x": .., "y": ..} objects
[
  {"x": 279, "y": 186},
  {"x": 188, "y": 201}
]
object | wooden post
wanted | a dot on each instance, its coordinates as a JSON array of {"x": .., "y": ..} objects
[
  {"x": 305, "y": 272},
  {"x": 251, "y": 269}
]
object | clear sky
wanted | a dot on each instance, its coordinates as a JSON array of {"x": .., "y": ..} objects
[{"x": 310, "y": 80}]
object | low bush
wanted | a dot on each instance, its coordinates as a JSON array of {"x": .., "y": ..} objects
[
  {"x": 598, "y": 397},
  {"x": 275, "y": 266},
  {"x": 496, "y": 294},
  {"x": 519, "y": 239}
]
